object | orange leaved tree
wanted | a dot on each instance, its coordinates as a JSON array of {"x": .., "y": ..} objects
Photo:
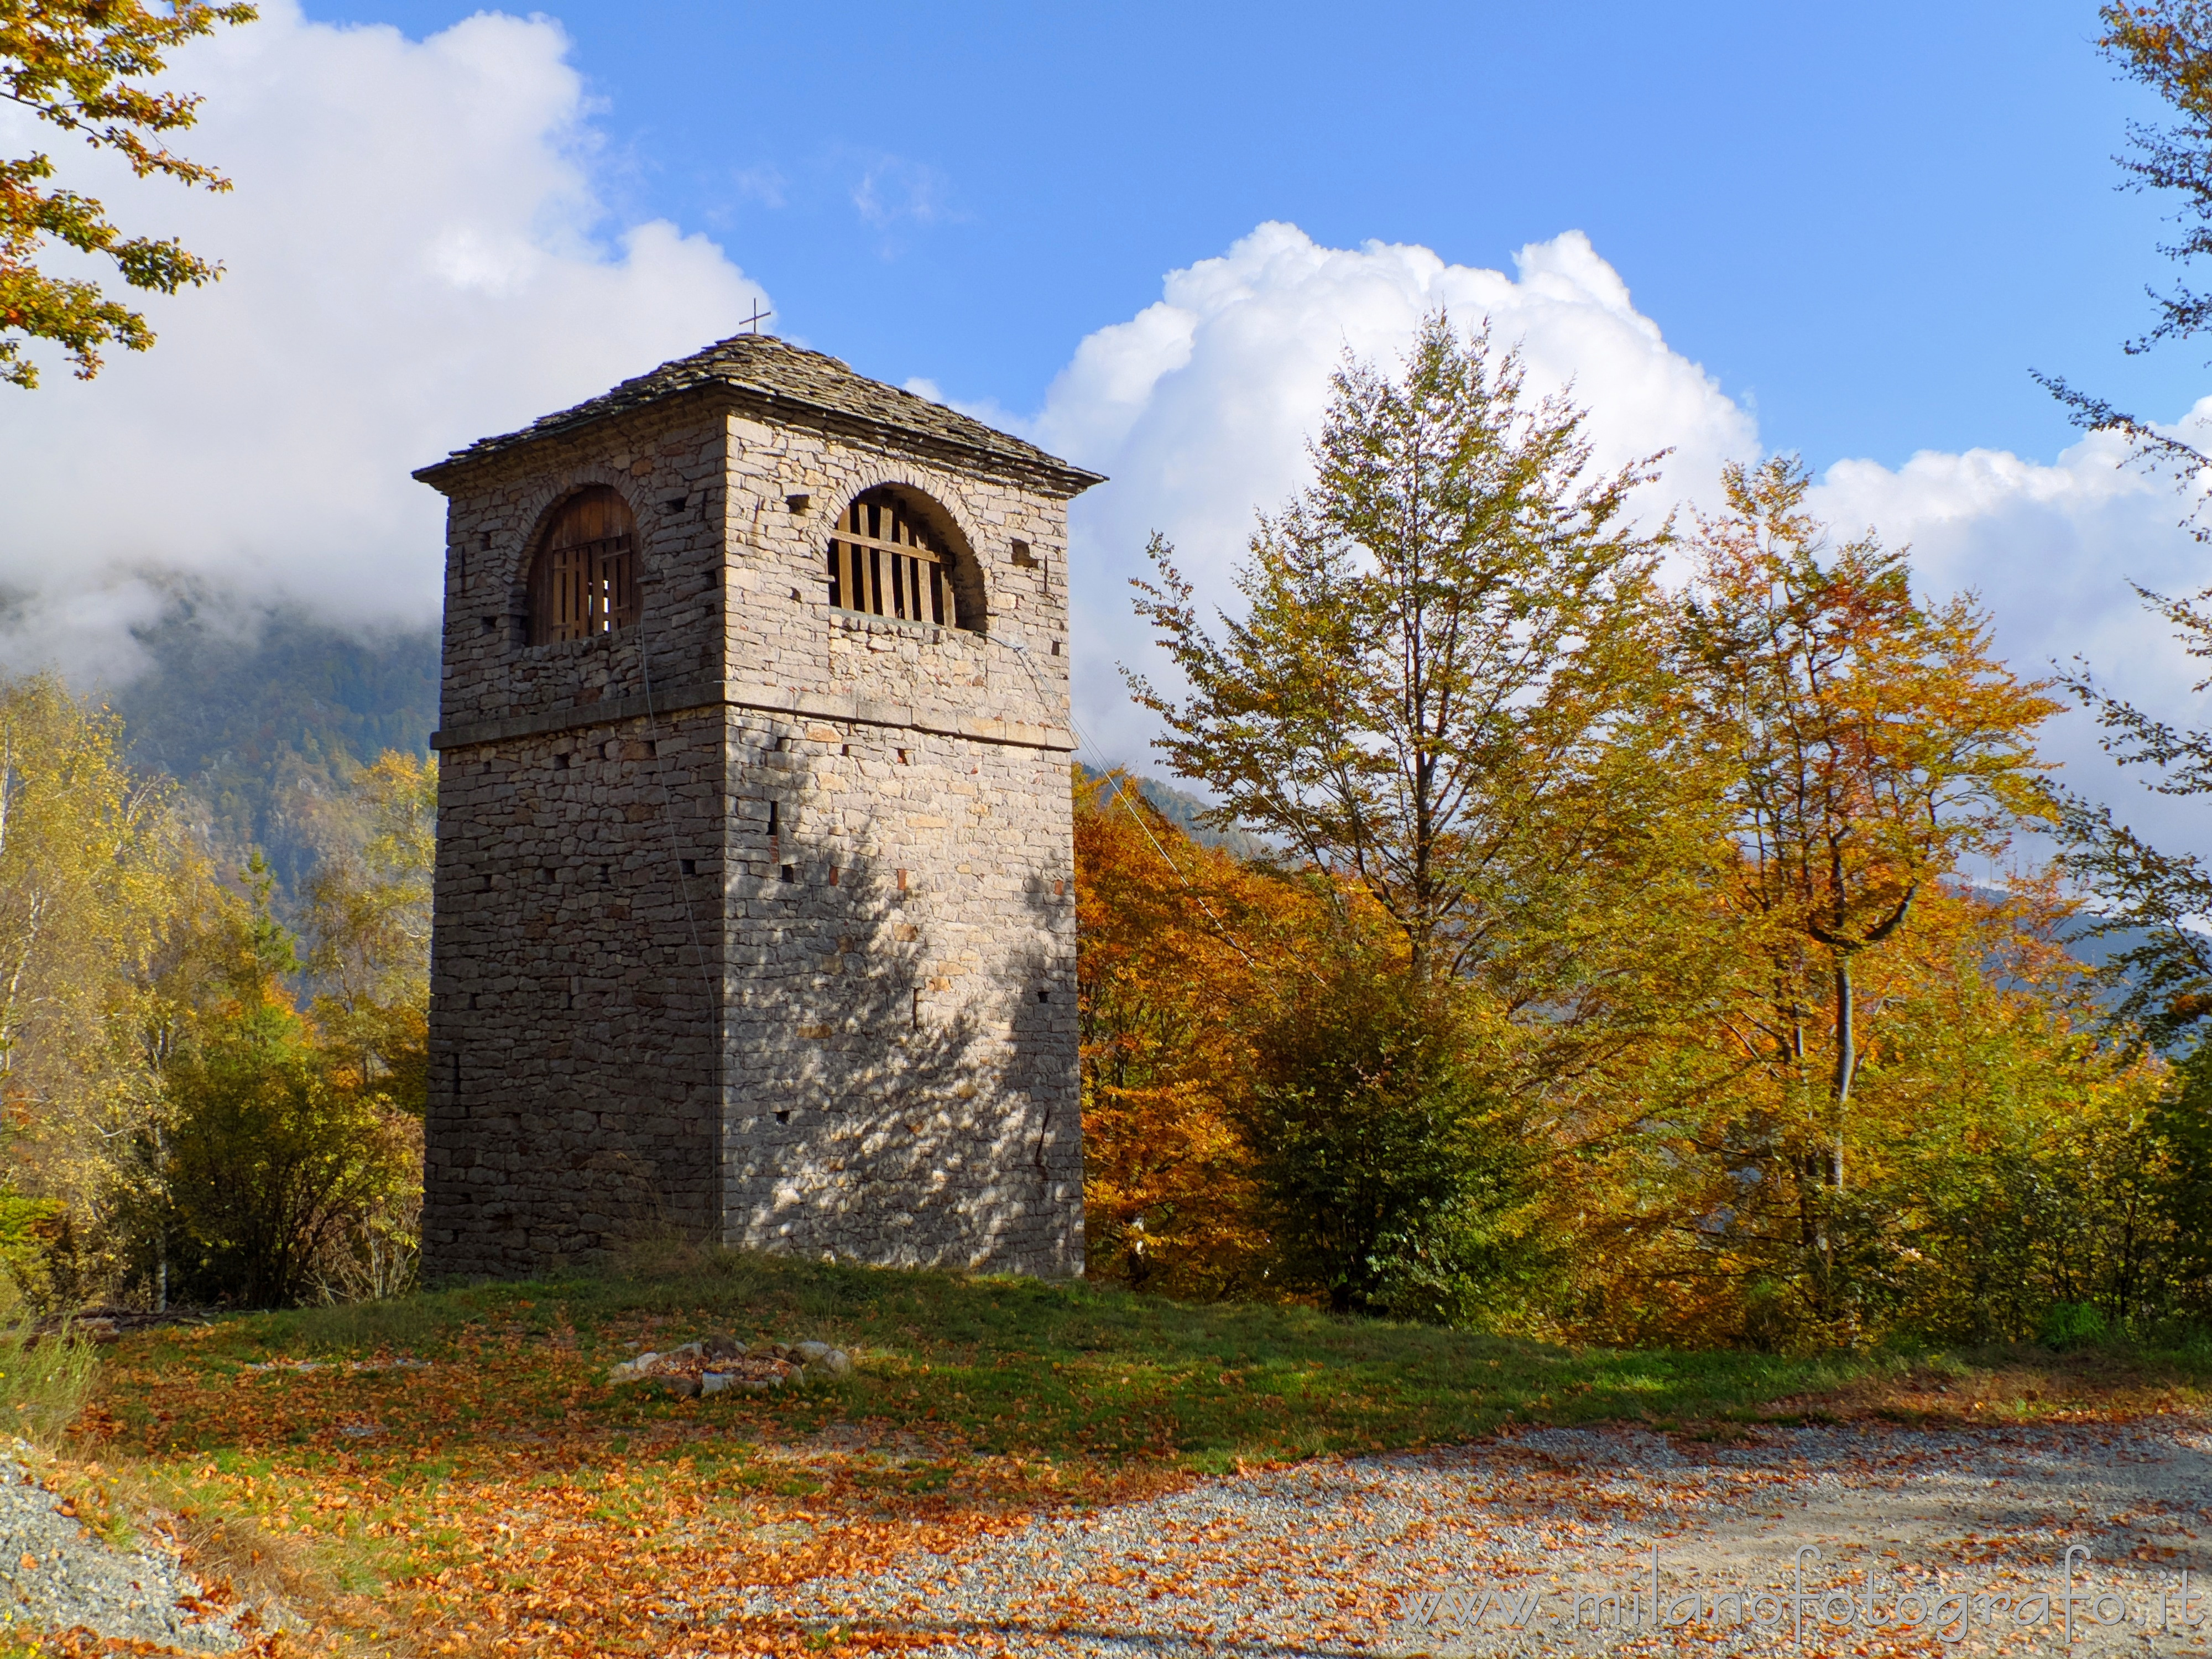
[
  {"x": 1185, "y": 951},
  {"x": 90, "y": 68},
  {"x": 1871, "y": 743}
]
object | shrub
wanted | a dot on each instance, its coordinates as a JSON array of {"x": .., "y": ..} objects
[
  {"x": 2183, "y": 1124},
  {"x": 284, "y": 1186},
  {"x": 1392, "y": 1177},
  {"x": 2072, "y": 1325}
]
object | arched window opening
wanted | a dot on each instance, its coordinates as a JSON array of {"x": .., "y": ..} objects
[
  {"x": 883, "y": 562},
  {"x": 584, "y": 581}
]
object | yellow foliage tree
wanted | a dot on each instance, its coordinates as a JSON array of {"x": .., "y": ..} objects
[
  {"x": 366, "y": 917},
  {"x": 1870, "y": 743},
  {"x": 94, "y": 865}
]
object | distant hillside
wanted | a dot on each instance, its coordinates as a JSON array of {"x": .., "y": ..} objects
[
  {"x": 1182, "y": 811},
  {"x": 2095, "y": 950},
  {"x": 249, "y": 724}
]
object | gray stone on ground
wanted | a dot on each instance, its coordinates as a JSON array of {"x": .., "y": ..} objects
[
  {"x": 691, "y": 1371},
  {"x": 1433, "y": 1554},
  {"x": 55, "y": 1575}
]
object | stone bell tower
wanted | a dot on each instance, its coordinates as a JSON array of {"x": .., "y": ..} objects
[{"x": 755, "y": 911}]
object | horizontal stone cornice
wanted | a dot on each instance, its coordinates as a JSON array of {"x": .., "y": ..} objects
[{"x": 768, "y": 699}]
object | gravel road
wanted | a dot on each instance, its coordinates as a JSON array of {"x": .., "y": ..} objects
[
  {"x": 1554, "y": 1542},
  {"x": 58, "y": 1576}
]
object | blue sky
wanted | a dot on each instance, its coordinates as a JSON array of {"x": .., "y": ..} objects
[
  {"x": 1867, "y": 222},
  {"x": 1142, "y": 235}
]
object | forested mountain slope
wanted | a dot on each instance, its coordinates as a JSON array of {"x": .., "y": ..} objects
[{"x": 257, "y": 724}]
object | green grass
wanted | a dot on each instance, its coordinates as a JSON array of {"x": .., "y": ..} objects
[
  {"x": 44, "y": 1381},
  {"x": 510, "y": 1460},
  {"x": 1005, "y": 1365}
]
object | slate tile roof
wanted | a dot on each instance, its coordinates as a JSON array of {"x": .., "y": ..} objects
[{"x": 763, "y": 366}]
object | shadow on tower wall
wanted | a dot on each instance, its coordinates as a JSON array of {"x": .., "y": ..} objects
[{"x": 902, "y": 1085}]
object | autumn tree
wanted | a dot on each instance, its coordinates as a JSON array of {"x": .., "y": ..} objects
[
  {"x": 87, "y": 854},
  {"x": 86, "y": 67},
  {"x": 365, "y": 914},
  {"x": 175, "y": 1118},
  {"x": 95, "y": 862},
  {"x": 278, "y": 1163},
  {"x": 2005, "y": 1160},
  {"x": 1182, "y": 950},
  {"x": 1435, "y": 636},
  {"x": 1271, "y": 1104},
  {"x": 1871, "y": 743},
  {"x": 1446, "y": 699},
  {"x": 2164, "y": 45}
]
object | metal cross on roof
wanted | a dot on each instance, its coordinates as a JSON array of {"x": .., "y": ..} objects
[{"x": 758, "y": 317}]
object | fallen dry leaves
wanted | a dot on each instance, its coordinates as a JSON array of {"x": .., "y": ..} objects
[
  {"x": 500, "y": 1497},
  {"x": 488, "y": 1505}
]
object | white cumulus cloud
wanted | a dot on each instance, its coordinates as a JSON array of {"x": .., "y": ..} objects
[
  {"x": 2051, "y": 551},
  {"x": 1200, "y": 405},
  {"x": 415, "y": 257}
]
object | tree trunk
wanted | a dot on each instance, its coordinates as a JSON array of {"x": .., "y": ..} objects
[{"x": 1847, "y": 1062}]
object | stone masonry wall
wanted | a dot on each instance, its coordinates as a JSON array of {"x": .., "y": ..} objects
[
  {"x": 576, "y": 1089},
  {"x": 575, "y": 1094},
  {"x": 669, "y": 466},
  {"x": 902, "y": 1001},
  {"x": 902, "y": 1013}
]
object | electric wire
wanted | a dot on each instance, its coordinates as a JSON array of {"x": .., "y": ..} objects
[
  {"x": 1120, "y": 780},
  {"x": 667, "y": 801}
]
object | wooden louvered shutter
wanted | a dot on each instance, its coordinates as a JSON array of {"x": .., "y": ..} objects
[
  {"x": 883, "y": 562},
  {"x": 585, "y": 579}
]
